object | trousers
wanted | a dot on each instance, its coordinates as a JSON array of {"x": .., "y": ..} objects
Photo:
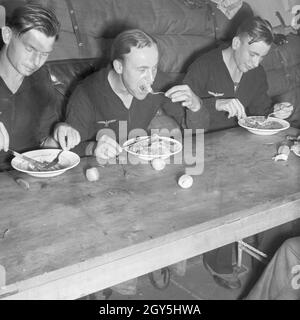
[
  {"x": 220, "y": 260},
  {"x": 281, "y": 278}
]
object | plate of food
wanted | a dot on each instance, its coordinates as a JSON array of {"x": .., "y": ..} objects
[
  {"x": 66, "y": 161},
  {"x": 152, "y": 147},
  {"x": 262, "y": 126}
]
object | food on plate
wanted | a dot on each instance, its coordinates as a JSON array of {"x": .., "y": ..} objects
[
  {"x": 92, "y": 174},
  {"x": 154, "y": 145},
  {"x": 32, "y": 167},
  {"x": 158, "y": 164},
  {"x": 262, "y": 124},
  {"x": 185, "y": 181}
]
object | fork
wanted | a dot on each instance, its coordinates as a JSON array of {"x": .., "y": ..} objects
[
  {"x": 157, "y": 92},
  {"x": 54, "y": 161},
  {"x": 136, "y": 140}
]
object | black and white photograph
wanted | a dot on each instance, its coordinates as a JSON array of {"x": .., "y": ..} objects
[{"x": 149, "y": 156}]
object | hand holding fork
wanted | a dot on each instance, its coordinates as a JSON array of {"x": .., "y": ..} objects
[{"x": 282, "y": 110}]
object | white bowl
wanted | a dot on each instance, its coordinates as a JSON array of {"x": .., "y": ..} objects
[
  {"x": 296, "y": 149},
  {"x": 176, "y": 147},
  {"x": 285, "y": 125},
  {"x": 67, "y": 160}
]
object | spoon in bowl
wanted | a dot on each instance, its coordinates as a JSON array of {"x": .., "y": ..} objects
[
  {"x": 36, "y": 164},
  {"x": 269, "y": 115}
]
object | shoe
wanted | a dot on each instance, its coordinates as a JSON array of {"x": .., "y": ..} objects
[
  {"x": 127, "y": 288},
  {"x": 227, "y": 281},
  {"x": 230, "y": 284},
  {"x": 160, "y": 279}
]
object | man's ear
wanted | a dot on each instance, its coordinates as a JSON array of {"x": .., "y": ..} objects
[
  {"x": 118, "y": 66},
  {"x": 6, "y": 34},
  {"x": 236, "y": 42}
]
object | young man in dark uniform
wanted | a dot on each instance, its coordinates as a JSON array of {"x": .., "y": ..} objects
[
  {"x": 28, "y": 99},
  {"x": 231, "y": 84},
  {"x": 122, "y": 92}
]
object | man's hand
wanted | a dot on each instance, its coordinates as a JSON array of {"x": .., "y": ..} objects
[
  {"x": 49, "y": 142},
  {"x": 66, "y": 136},
  {"x": 232, "y": 106},
  {"x": 107, "y": 148},
  {"x": 186, "y": 96},
  {"x": 283, "y": 110},
  {"x": 4, "y": 138}
]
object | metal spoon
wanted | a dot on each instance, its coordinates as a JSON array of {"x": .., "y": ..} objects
[
  {"x": 278, "y": 111},
  {"x": 157, "y": 92},
  {"x": 266, "y": 118},
  {"x": 269, "y": 115}
]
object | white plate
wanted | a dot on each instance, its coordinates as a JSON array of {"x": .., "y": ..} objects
[
  {"x": 296, "y": 153},
  {"x": 296, "y": 149},
  {"x": 156, "y": 147},
  {"x": 284, "y": 123},
  {"x": 67, "y": 160}
]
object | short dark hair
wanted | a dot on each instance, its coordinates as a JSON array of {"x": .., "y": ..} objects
[
  {"x": 257, "y": 29},
  {"x": 123, "y": 43},
  {"x": 34, "y": 16}
]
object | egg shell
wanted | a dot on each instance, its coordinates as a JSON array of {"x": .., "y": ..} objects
[
  {"x": 185, "y": 181},
  {"x": 284, "y": 150},
  {"x": 23, "y": 183},
  {"x": 158, "y": 164},
  {"x": 92, "y": 174}
]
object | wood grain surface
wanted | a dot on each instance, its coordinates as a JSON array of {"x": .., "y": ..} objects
[{"x": 66, "y": 237}]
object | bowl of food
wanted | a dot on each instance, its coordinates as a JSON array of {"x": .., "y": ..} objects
[
  {"x": 152, "y": 147},
  {"x": 263, "y": 126},
  {"x": 66, "y": 161}
]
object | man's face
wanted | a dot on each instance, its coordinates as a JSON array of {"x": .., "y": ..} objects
[
  {"x": 248, "y": 56},
  {"x": 139, "y": 68},
  {"x": 28, "y": 52}
]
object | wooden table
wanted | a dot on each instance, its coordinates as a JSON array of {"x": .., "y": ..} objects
[{"x": 65, "y": 237}]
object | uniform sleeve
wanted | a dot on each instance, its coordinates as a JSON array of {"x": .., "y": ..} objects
[
  {"x": 48, "y": 119},
  {"x": 196, "y": 78},
  {"x": 52, "y": 109},
  {"x": 261, "y": 103},
  {"x": 80, "y": 113},
  {"x": 174, "y": 110},
  {"x": 199, "y": 119},
  {"x": 163, "y": 82},
  {"x": 185, "y": 117}
]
